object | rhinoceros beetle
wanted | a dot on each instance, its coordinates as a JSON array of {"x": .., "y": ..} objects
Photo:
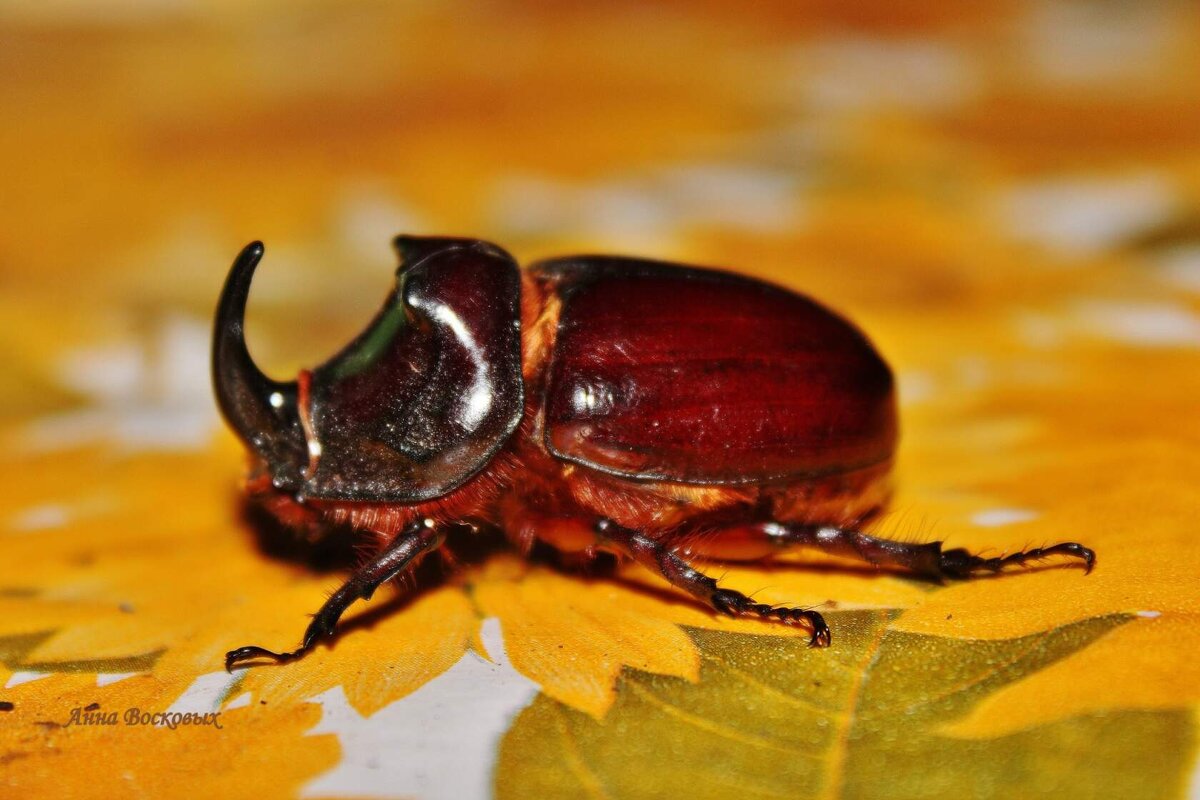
[{"x": 660, "y": 412}]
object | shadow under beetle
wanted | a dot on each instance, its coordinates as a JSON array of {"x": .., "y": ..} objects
[{"x": 656, "y": 411}]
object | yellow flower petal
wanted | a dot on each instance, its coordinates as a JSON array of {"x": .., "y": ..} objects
[
  {"x": 573, "y": 636},
  {"x": 394, "y": 654},
  {"x": 1145, "y": 664}
]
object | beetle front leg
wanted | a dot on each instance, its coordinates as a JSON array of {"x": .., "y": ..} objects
[
  {"x": 656, "y": 557},
  {"x": 926, "y": 559},
  {"x": 417, "y": 539}
]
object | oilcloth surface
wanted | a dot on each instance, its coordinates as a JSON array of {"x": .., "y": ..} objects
[{"x": 1006, "y": 197}]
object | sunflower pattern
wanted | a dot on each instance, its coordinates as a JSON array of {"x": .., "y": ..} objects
[{"x": 1006, "y": 197}]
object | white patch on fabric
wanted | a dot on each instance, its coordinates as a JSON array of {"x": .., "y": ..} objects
[
  {"x": 205, "y": 693},
  {"x": 241, "y": 701},
  {"x": 1149, "y": 324},
  {"x": 40, "y": 518},
  {"x": 855, "y": 74},
  {"x": 109, "y": 678},
  {"x": 651, "y": 208},
  {"x": 439, "y": 742},
  {"x": 1180, "y": 267},
  {"x": 144, "y": 396},
  {"x": 915, "y": 387},
  {"x": 1081, "y": 217},
  {"x": 998, "y": 517},
  {"x": 368, "y": 214},
  {"x": 17, "y": 678},
  {"x": 1106, "y": 43}
]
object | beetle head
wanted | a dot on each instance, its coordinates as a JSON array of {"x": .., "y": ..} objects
[{"x": 413, "y": 407}]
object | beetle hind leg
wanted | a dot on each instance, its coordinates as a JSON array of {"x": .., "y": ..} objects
[
  {"x": 927, "y": 559},
  {"x": 414, "y": 541},
  {"x": 657, "y": 557}
]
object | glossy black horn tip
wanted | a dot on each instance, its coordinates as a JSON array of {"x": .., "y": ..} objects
[
  {"x": 260, "y": 410},
  {"x": 253, "y": 251},
  {"x": 231, "y": 308},
  {"x": 245, "y": 264}
]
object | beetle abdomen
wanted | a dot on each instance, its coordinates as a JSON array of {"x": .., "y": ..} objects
[{"x": 672, "y": 373}]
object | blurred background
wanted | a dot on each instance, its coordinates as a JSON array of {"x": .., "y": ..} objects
[
  {"x": 885, "y": 158},
  {"x": 1004, "y": 195}
]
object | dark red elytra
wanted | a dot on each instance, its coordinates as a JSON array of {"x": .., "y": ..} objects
[
  {"x": 657, "y": 411},
  {"x": 670, "y": 373}
]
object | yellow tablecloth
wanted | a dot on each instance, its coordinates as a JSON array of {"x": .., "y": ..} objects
[{"x": 1005, "y": 196}]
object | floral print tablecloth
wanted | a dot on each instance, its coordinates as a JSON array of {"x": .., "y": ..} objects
[{"x": 1006, "y": 196}]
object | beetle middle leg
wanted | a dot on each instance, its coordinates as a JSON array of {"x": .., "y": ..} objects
[
  {"x": 927, "y": 559},
  {"x": 657, "y": 557},
  {"x": 419, "y": 538}
]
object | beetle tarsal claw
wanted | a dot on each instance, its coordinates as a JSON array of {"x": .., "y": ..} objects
[
  {"x": 733, "y": 603},
  {"x": 235, "y": 657},
  {"x": 1089, "y": 560},
  {"x": 821, "y": 635},
  {"x": 959, "y": 563}
]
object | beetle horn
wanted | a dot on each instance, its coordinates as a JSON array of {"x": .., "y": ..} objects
[{"x": 263, "y": 412}]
